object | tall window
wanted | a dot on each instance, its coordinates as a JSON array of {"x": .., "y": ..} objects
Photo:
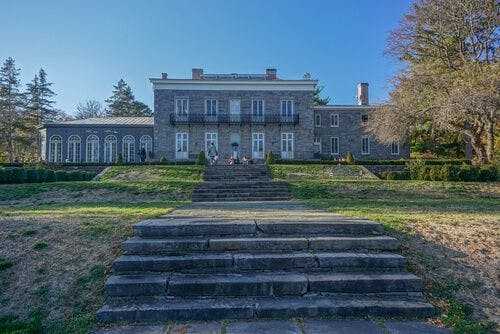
[
  {"x": 181, "y": 145},
  {"x": 55, "y": 149},
  {"x": 211, "y": 108},
  {"x": 287, "y": 145},
  {"x": 258, "y": 110},
  {"x": 181, "y": 108},
  {"x": 395, "y": 148},
  {"x": 110, "y": 148},
  {"x": 334, "y": 120},
  {"x": 365, "y": 145},
  {"x": 92, "y": 148},
  {"x": 147, "y": 142},
  {"x": 317, "y": 120},
  {"x": 287, "y": 109},
  {"x": 335, "y": 145},
  {"x": 258, "y": 145},
  {"x": 128, "y": 148},
  {"x": 317, "y": 143},
  {"x": 211, "y": 138},
  {"x": 235, "y": 110},
  {"x": 74, "y": 148}
]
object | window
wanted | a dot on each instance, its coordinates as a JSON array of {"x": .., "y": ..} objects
[
  {"x": 317, "y": 120},
  {"x": 287, "y": 109},
  {"x": 364, "y": 118},
  {"x": 181, "y": 145},
  {"x": 395, "y": 149},
  {"x": 258, "y": 110},
  {"x": 258, "y": 145},
  {"x": 235, "y": 110},
  {"x": 147, "y": 142},
  {"x": 128, "y": 148},
  {"x": 74, "y": 148},
  {"x": 55, "y": 149},
  {"x": 317, "y": 143},
  {"x": 92, "y": 148},
  {"x": 334, "y": 120},
  {"x": 181, "y": 107},
  {"x": 287, "y": 145},
  {"x": 211, "y": 108},
  {"x": 110, "y": 149},
  {"x": 365, "y": 145},
  {"x": 211, "y": 137},
  {"x": 335, "y": 145}
]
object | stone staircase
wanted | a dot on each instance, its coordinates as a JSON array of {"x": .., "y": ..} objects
[
  {"x": 242, "y": 260},
  {"x": 239, "y": 183}
]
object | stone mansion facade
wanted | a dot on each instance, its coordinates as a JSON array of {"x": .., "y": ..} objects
[{"x": 244, "y": 114}]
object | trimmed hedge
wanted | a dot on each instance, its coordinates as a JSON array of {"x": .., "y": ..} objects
[
  {"x": 465, "y": 172},
  {"x": 22, "y": 175},
  {"x": 400, "y": 162},
  {"x": 395, "y": 175}
]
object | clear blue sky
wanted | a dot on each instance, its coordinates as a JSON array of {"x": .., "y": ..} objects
[{"x": 87, "y": 46}]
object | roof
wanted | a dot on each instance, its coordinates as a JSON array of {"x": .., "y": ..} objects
[
  {"x": 344, "y": 107},
  {"x": 116, "y": 121}
]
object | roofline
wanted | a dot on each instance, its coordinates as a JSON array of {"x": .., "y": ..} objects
[
  {"x": 343, "y": 107},
  {"x": 64, "y": 125}
]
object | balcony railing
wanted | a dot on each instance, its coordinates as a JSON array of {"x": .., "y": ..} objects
[{"x": 233, "y": 119}]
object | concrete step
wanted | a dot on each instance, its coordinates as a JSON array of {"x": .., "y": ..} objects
[
  {"x": 136, "y": 285},
  {"x": 139, "y": 246},
  {"x": 243, "y": 262},
  {"x": 243, "y": 194},
  {"x": 166, "y": 227},
  {"x": 240, "y": 192},
  {"x": 232, "y": 187},
  {"x": 245, "y": 199},
  {"x": 177, "y": 309}
]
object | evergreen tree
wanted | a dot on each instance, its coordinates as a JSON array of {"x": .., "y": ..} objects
[
  {"x": 11, "y": 107},
  {"x": 123, "y": 102},
  {"x": 317, "y": 99}
]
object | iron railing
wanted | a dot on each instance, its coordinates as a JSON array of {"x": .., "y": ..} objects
[{"x": 233, "y": 119}]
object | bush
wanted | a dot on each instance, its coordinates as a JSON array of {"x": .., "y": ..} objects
[
  {"x": 61, "y": 175},
  {"x": 51, "y": 176},
  {"x": 270, "y": 158},
  {"x": 488, "y": 173},
  {"x": 395, "y": 175},
  {"x": 32, "y": 176},
  {"x": 163, "y": 160},
  {"x": 435, "y": 173},
  {"x": 119, "y": 159},
  {"x": 16, "y": 175},
  {"x": 349, "y": 158},
  {"x": 42, "y": 174},
  {"x": 468, "y": 173},
  {"x": 202, "y": 159},
  {"x": 3, "y": 176},
  {"x": 449, "y": 173}
]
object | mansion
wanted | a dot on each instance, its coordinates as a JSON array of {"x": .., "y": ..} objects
[{"x": 244, "y": 114}]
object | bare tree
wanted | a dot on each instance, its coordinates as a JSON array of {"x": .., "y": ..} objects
[{"x": 89, "y": 109}]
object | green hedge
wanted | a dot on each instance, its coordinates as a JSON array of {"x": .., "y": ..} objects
[
  {"x": 22, "y": 175},
  {"x": 465, "y": 172},
  {"x": 395, "y": 175},
  {"x": 400, "y": 162}
]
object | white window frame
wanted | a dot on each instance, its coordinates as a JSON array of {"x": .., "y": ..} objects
[
  {"x": 110, "y": 148},
  {"x": 92, "y": 155},
  {"x": 256, "y": 139},
  {"x": 288, "y": 110},
  {"x": 316, "y": 118},
  {"x": 257, "y": 116},
  {"x": 55, "y": 149},
  {"x": 181, "y": 137},
  {"x": 235, "y": 116},
  {"x": 147, "y": 141},
  {"x": 288, "y": 142},
  {"x": 128, "y": 148},
  {"x": 211, "y": 140},
  {"x": 318, "y": 143},
  {"x": 334, "y": 120},
  {"x": 367, "y": 152},
  {"x": 182, "y": 107},
  {"x": 393, "y": 151},
  {"x": 74, "y": 148},
  {"x": 334, "y": 149},
  {"x": 211, "y": 116}
]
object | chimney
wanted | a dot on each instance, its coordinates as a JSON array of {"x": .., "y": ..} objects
[
  {"x": 197, "y": 73},
  {"x": 164, "y": 76},
  {"x": 363, "y": 94},
  {"x": 271, "y": 74}
]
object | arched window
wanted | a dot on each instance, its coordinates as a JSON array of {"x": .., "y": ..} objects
[
  {"x": 55, "y": 149},
  {"x": 92, "y": 148},
  {"x": 74, "y": 148},
  {"x": 147, "y": 142},
  {"x": 110, "y": 148},
  {"x": 128, "y": 149}
]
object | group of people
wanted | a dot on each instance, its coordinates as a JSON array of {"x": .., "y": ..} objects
[{"x": 213, "y": 157}]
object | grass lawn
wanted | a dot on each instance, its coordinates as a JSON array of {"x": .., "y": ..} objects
[
  {"x": 449, "y": 233},
  {"x": 58, "y": 240}
]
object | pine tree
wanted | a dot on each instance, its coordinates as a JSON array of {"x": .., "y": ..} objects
[
  {"x": 123, "y": 102},
  {"x": 11, "y": 107},
  {"x": 317, "y": 99}
]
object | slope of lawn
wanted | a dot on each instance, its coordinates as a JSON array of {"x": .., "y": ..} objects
[
  {"x": 57, "y": 241},
  {"x": 449, "y": 232}
]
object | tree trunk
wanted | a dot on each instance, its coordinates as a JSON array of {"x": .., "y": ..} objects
[
  {"x": 490, "y": 139},
  {"x": 478, "y": 148}
]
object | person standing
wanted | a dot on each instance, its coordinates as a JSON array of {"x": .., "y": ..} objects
[
  {"x": 143, "y": 153},
  {"x": 212, "y": 153}
]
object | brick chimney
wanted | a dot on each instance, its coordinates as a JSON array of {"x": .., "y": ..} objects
[
  {"x": 164, "y": 76},
  {"x": 271, "y": 74},
  {"x": 363, "y": 94},
  {"x": 197, "y": 73}
]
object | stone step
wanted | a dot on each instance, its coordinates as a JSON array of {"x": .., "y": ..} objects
[
  {"x": 229, "y": 186},
  {"x": 177, "y": 309},
  {"x": 243, "y": 262},
  {"x": 243, "y": 194},
  {"x": 246, "y": 199},
  {"x": 136, "y": 285},
  {"x": 165, "y": 227},
  {"x": 139, "y": 246}
]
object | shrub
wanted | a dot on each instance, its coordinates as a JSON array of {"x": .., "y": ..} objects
[
  {"x": 42, "y": 175},
  {"x": 435, "y": 173},
  {"x": 415, "y": 166},
  {"x": 402, "y": 175},
  {"x": 40, "y": 245},
  {"x": 270, "y": 158},
  {"x": 61, "y": 175},
  {"x": 119, "y": 159},
  {"x": 449, "y": 173},
  {"x": 163, "y": 160},
  {"x": 51, "y": 176},
  {"x": 468, "y": 173},
  {"x": 488, "y": 173},
  {"x": 17, "y": 175},
  {"x": 3, "y": 175},
  {"x": 350, "y": 158},
  {"x": 202, "y": 159},
  {"x": 32, "y": 176}
]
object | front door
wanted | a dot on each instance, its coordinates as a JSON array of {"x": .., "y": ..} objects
[
  {"x": 258, "y": 145},
  {"x": 287, "y": 145}
]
